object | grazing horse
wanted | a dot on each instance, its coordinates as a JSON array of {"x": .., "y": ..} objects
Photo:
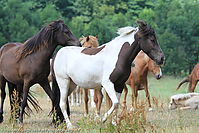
[
  {"x": 192, "y": 79},
  {"x": 27, "y": 64},
  {"x": 138, "y": 77},
  {"x": 184, "y": 101},
  {"x": 110, "y": 65}
]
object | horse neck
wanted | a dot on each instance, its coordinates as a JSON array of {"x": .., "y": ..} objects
[
  {"x": 142, "y": 62},
  {"x": 133, "y": 51},
  {"x": 47, "y": 52}
]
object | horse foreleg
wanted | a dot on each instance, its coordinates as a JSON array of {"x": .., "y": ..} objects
[
  {"x": 3, "y": 96},
  {"x": 125, "y": 94},
  {"x": 24, "y": 102},
  {"x": 55, "y": 103},
  {"x": 147, "y": 96},
  {"x": 114, "y": 96},
  {"x": 86, "y": 100},
  {"x": 134, "y": 96}
]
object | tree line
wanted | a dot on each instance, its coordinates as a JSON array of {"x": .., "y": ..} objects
[{"x": 176, "y": 23}]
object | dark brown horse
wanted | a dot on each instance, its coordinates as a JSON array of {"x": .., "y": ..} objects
[
  {"x": 29, "y": 63},
  {"x": 192, "y": 79}
]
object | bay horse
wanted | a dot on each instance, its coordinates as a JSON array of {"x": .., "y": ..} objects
[
  {"x": 192, "y": 79},
  {"x": 184, "y": 101},
  {"x": 110, "y": 65},
  {"x": 27, "y": 64},
  {"x": 138, "y": 77}
]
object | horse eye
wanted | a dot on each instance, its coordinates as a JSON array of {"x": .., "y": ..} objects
[
  {"x": 66, "y": 32},
  {"x": 152, "y": 40}
]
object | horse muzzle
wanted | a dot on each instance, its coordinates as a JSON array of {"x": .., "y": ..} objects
[{"x": 158, "y": 76}]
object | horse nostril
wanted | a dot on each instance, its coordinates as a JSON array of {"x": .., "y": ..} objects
[
  {"x": 163, "y": 58},
  {"x": 158, "y": 76}
]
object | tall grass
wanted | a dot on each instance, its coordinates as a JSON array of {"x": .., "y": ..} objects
[{"x": 140, "y": 120}]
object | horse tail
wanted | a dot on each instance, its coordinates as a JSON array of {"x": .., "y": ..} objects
[
  {"x": 184, "y": 81},
  {"x": 34, "y": 102},
  {"x": 31, "y": 99}
]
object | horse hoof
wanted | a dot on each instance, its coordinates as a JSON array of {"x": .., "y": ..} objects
[
  {"x": 1, "y": 118},
  {"x": 150, "y": 109}
]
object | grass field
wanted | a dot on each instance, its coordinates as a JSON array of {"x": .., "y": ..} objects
[{"x": 161, "y": 118}]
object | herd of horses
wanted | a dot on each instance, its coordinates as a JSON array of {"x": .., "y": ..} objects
[{"x": 108, "y": 66}]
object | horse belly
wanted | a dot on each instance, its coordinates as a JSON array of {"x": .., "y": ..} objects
[{"x": 86, "y": 80}]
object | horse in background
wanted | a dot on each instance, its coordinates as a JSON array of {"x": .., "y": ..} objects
[
  {"x": 89, "y": 42},
  {"x": 184, "y": 101},
  {"x": 110, "y": 65},
  {"x": 76, "y": 96},
  {"x": 27, "y": 64},
  {"x": 192, "y": 79},
  {"x": 138, "y": 78}
]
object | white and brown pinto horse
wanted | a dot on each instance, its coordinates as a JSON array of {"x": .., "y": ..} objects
[
  {"x": 110, "y": 65},
  {"x": 184, "y": 101}
]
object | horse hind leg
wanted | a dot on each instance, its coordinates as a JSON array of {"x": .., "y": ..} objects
[
  {"x": 3, "y": 96},
  {"x": 92, "y": 98},
  {"x": 86, "y": 101},
  {"x": 77, "y": 96},
  {"x": 98, "y": 101},
  {"x": 64, "y": 85},
  {"x": 192, "y": 85}
]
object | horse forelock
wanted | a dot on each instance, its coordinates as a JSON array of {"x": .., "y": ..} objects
[
  {"x": 146, "y": 31},
  {"x": 42, "y": 39}
]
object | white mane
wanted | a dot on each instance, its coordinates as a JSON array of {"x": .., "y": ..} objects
[
  {"x": 183, "y": 96},
  {"x": 126, "y": 30}
]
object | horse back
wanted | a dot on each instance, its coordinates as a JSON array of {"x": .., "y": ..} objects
[{"x": 8, "y": 46}]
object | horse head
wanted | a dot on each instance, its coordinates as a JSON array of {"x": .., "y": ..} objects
[
  {"x": 89, "y": 41},
  {"x": 155, "y": 69},
  {"x": 62, "y": 34},
  {"x": 148, "y": 42}
]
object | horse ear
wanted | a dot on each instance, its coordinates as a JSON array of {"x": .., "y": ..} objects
[
  {"x": 87, "y": 38},
  {"x": 96, "y": 36},
  {"x": 141, "y": 22}
]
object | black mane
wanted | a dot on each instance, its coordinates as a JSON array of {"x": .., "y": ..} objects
[{"x": 42, "y": 39}]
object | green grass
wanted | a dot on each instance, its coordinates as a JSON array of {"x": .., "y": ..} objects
[{"x": 161, "y": 119}]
